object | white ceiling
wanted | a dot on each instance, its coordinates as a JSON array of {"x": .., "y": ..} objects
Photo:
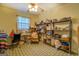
[
  {"x": 24, "y": 6},
  {"x": 18, "y": 6}
]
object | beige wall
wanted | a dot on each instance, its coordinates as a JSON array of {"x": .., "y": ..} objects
[
  {"x": 63, "y": 10},
  {"x": 8, "y": 18},
  {"x": 34, "y": 18}
]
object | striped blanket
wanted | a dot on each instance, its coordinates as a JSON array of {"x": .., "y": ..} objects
[{"x": 3, "y": 40}]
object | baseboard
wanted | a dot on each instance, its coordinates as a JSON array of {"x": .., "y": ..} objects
[{"x": 74, "y": 53}]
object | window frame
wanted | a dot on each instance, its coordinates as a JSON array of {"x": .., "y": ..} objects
[{"x": 17, "y": 28}]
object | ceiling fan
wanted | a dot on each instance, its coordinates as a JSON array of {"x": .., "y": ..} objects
[{"x": 34, "y": 8}]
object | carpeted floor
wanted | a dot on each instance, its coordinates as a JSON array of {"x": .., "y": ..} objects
[{"x": 40, "y": 49}]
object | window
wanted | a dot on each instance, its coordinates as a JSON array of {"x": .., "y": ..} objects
[{"x": 23, "y": 23}]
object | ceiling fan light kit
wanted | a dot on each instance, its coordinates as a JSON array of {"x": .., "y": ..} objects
[{"x": 33, "y": 7}]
